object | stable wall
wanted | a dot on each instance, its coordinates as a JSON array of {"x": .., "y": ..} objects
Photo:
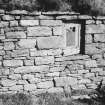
[{"x": 33, "y": 57}]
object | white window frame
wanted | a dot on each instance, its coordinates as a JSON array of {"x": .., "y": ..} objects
[{"x": 70, "y": 50}]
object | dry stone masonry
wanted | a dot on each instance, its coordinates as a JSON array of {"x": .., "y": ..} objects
[{"x": 32, "y": 53}]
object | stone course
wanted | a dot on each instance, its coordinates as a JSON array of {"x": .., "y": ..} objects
[{"x": 34, "y": 57}]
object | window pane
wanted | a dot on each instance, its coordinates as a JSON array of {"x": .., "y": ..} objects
[{"x": 70, "y": 37}]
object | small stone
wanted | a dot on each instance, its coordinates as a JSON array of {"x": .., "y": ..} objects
[
  {"x": 13, "y": 23},
  {"x": 7, "y": 17},
  {"x": 44, "y": 60},
  {"x": 29, "y": 62},
  {"x": 45, "y": 85},
  {"x": 88, "y": 38}
]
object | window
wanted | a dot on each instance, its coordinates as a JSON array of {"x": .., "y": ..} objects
[{"x": 71, "y": 33}]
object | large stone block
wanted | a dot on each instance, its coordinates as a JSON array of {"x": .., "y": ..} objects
[
  {"x": 26, "y": 43},
  {"x": 14, "y": 35},
  {"x": 31, "y": 69},
  {"x": 90, "y": 63},
  {"x": 12, "y": 63},
  {"x": 62, "y": 81},
  {"x": 50, "y": 42},
  {"x": 9, "y": 46},
  {"x": 8, "y": 82},
  {"x": 50, "y": 22},
  {"x": 39, "y": 31},
  {"x": 20, "y": 53},
  {"x": 44, "y": 60},
  {"x": 45, "y": 85},
  {"x": 29, "y": 22},
  {"x": 30, "y": 87},
  {"x": 99, "y": 37},
  {"x": 100, "y": 28}
]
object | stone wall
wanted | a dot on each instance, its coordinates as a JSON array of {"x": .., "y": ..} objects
[{"x": 32, "y": 55}]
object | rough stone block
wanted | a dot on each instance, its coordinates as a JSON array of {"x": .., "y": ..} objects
[
  {"x": 88, "y": 38},
  {"x": 31, "y": 69},
  {"x": 22, "y": 82},
  {"x": 4, "y": 71},
  {"x": 28, "y": 62},
  {"x": 29, "y": 22},
  {"x": 20, "y": 53},
  {"x": 55, "y": 90},
  {"x": 99, "y": 38},
  {"x": 13, "y": 35},
  {"x": 91, "y": 63},
  {"x": 96, "y": 69},
  {"x": 101, "y": 62},
  {"x": 56, "y": 69},
  {"x": 28, "y": 76},
  {"x": 7, "y": 83},
  {"x": 54, "y": 74},
  {"x": 9, "y": 46},
  {"x": 84, "y": 81},
  {"x": 4, "y": 24},
  {"x": 97, "y": 56},
  {"x": 39, "y": 31},
  {"x": 102, "y": 73},
  {"x": 13, "y": 23},
  {"x": 62, "y": 81},
  {"x": 57, "y": 30},
  {"x": 89, "y": 75},
  {"x": 7, "y": 17},
  {"x": 91, "y": 49},
  {"x": 100, "y": 28},
  {"x": 50, "y": 42},
  {"x": 45, "y": 85},
  {"x": 16, "y": 88},
  {"x": 26, "y": 43},
  {"x": 15, "y": 76},
  {"x": 50, "y": 22},
  {"x": 30, "y": 87},
  {"x": 2, "y": 52},
  {"x": 12, "y": 63},
  {"x": 44, "y": 60}
]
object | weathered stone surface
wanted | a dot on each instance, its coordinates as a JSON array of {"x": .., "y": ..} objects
[
  {"x": 29, "y": 62},
  {"x": 102, "y": 73},
  {"x": 55, "y": 90},
  {"x": 88, "y": 75},
  {"x": 8, "y": 82},
  {"x": 29, "y": 22},
  {"x": 88, "y": 38},
  {"x": 7, "y": 17},
  {"x": 4, "y": 71},
  {"x": 91, "y": 63},
  {"x": 20, "y": 53},
  {"x": 97, "y": 56},
  {"x": 95, "y": 28},
  {"x": 4, "y": 24},
  {"x": 30, "y": 87},
  {"x": 83, "y": 71},
  {"x": 56, "y": 69},
  {"x": 12, "y": 63},
  {"x": 96, "y": 69},
  {"x": 45, "y": 85},
  {"x": 19, "y": 12},
  {"x": 26, "y": 43},
  {"x": 28, "y": 76},
  {"x": 90, "y": 21},
  {"x": 44, "y": 60},
  {"x": 99, "y": 37},
  {"x": 57, "y": 30},
  {"x": 39, "y": 31},
  {"x": 54, "y": 74},
  {"x": 84, "y": 81},
  {"x": 62, "y": 81},
  {"x": 101, "y": 62},
  {"x": 22, "y": 82},
  {"x": 15, "y": 76},
  {"x": 91, "y": 49},
  {"x": 13, "y": 23},
  {"x": 16, "y": 88},
  {"x": 51, "y": 22},
  {"x": 9, "y": 46},
  {"x": 50, "y": 52},
  {"x": 79, "y": 87},
  {"x": 14, "y": 35},
  {"x": 2, "y": 52},
  {"x": 50, "y": 42},
  {"x": 31, "y": 69}
]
